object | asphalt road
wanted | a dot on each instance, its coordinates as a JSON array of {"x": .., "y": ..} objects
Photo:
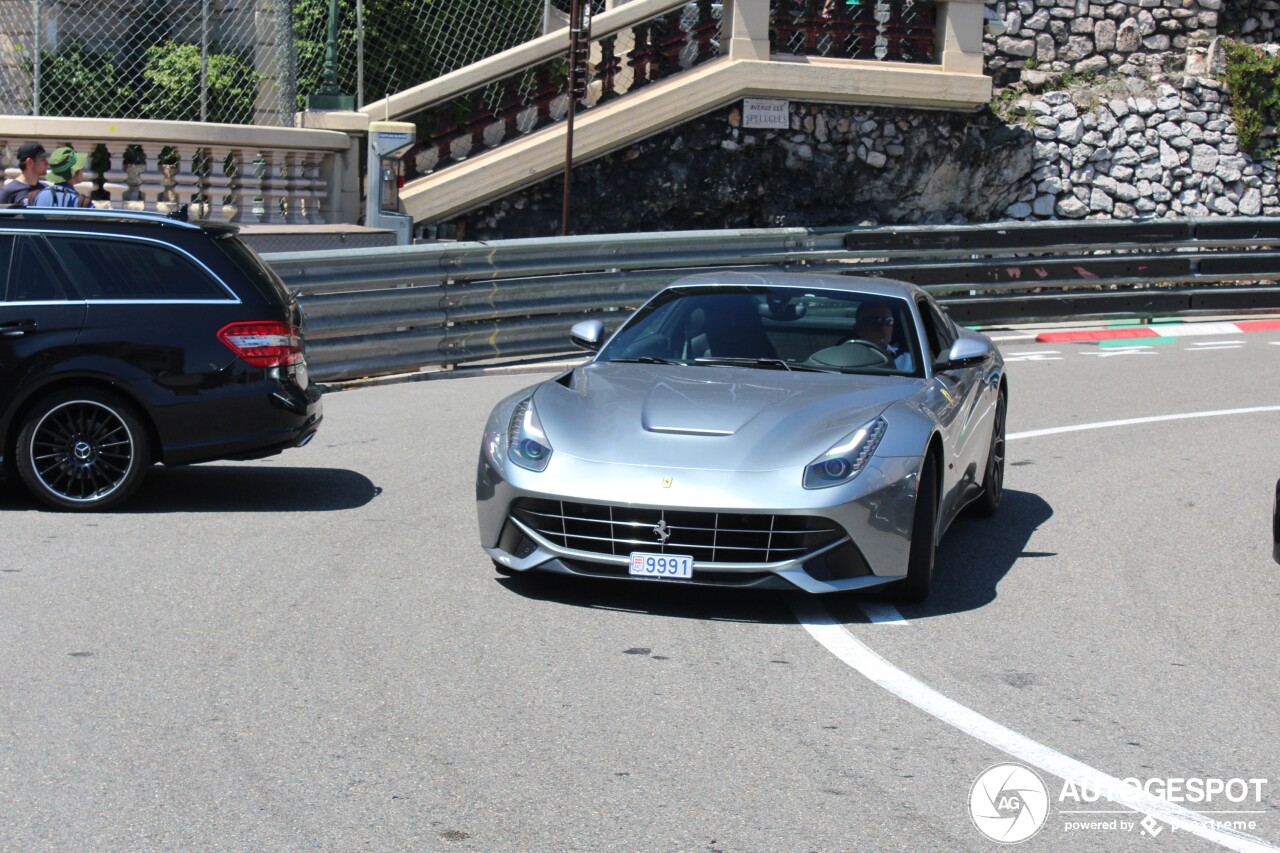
[{"x": 313, "y": 653}]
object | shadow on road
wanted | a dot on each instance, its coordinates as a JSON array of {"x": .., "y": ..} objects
[
  {"x": 977, "y": 553},
  {"x": 231, "y": 488},
  {"x": 656, "y": 598},
  {"x": 974, "y": 557}
]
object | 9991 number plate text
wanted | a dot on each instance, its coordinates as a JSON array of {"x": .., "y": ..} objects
[{"x": 661, "y": 565}]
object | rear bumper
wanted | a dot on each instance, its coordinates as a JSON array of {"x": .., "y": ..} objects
[{"x": 267, "y": 419}]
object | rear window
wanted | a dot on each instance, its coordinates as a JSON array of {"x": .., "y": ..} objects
[
  {"x": 248, "y": 262},
  {"x": 103, "y": 268}
]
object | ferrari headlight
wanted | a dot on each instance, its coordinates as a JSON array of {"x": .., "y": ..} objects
[
  {"x": 846, "y": 459},
  {"x": 527, "y": 443}
]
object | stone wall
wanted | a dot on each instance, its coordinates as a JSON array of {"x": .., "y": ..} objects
[
  {"x": 1171, "y": 154},
  {"x": 836, "y": 165},
  {"x": 1255, "y": 21}
]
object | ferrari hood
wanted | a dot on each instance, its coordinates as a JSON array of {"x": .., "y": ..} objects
[{"x": 724, "y": 418}]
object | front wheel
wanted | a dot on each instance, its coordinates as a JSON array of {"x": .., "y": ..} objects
[
  {"x": 82, "y": 449},
  {"x": 993, "y": 483},
  {"x": 915, "y": 586}
]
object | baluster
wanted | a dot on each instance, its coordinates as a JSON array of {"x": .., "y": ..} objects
[
  {"x": 184, "y": 183},
  {"x": 510, "y": 108},
  {"x": 151, "y": 179},
  {"x": 813, "y": 25},
  {"x": 669, "y": 41},
  {"x": 544, "y": 96},
  {"x": 115, "y": 180},
  {"x": 216, "y": 182},
  {"x": 839, "y": 26},
  {"x": 642, "y": 56},
  {"x": 704, "y": 32},
  {"x": 232, "y": 169},
  {"x": 477, "y": 120},
  {"x": 882, "y": 15},
  {"x": 607, "y": 68},
  {"x": 863, "y": 21},
  {"x": 446, "y": 132}
]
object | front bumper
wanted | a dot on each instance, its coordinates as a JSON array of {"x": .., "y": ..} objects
[{"x": 871, "y": 518}]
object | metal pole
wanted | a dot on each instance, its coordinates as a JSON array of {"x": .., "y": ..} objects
[
  {"x": 575, "y": 33},
  {"x": 359, "y": 54},
  {"x": 204, "y": 60},
  {"x": 39, "y": 40},
  {"x": 329, "y": 96}
]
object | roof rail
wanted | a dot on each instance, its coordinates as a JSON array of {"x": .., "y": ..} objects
[{"x": 72, "y": 214}]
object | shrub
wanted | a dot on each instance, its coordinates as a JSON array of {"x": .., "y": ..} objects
[{"x": 172, "y": 75}]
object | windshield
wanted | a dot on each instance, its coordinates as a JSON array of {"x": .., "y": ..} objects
[{"x": 772, "y": 328}]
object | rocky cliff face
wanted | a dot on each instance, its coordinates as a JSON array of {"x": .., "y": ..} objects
[
  {"x": 836, "y": 165},
  {"x": 1106, "y": 109}
]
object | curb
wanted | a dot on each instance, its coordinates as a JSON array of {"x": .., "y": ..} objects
[{"x": 1158, "y": 330}]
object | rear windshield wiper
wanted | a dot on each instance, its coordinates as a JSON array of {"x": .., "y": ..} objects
[
  {"x": 645, "y": 359},
  {"x": 771, "y": 363}
]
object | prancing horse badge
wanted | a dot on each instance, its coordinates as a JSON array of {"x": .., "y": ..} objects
[{"x": 666, "y": 482}]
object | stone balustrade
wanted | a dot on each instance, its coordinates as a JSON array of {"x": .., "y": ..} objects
[{"x": 224, "y": 173}]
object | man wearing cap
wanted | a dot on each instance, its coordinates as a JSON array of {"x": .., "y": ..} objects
[
  {"x": 33, "y": 160},
  {"x": 66, "y": 167}
]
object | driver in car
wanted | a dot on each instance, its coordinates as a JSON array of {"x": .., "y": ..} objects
[{"x": 873, "y": 323}]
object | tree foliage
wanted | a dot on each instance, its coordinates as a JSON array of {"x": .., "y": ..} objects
[{"x": 172, "y": 75}]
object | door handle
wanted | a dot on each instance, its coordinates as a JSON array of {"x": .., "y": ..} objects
[{"x": 17, "y": 328}]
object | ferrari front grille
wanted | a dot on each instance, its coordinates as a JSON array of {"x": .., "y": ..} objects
[{"x": 708, "y": 537}]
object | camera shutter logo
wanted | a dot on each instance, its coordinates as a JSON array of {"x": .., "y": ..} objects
[{"x": 1008, "y": 803}]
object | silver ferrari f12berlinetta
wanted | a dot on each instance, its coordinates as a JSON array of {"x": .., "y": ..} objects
[{"x": 812, "y": 432}]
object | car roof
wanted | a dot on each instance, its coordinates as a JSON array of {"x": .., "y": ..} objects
[
  {"x": 98, "y": 216},
  {"x": 886, "y": 287}
]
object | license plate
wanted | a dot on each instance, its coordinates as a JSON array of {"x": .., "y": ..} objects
[{"x": 661, "y": 565}]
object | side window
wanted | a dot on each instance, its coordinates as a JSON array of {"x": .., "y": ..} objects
[
  {"x": 33, "y": 275},
  {"x": 103, "y": 268},
  {"x": 928, "y": 320},
  {"x": 942, "y": 324},
  {"x": 6, "y": 255}
]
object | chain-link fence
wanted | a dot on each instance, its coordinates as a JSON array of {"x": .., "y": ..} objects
[
  {"x": 181, "y": 60},
  {"x": 236, "y": 61},
  {"x": 406, "y": 42}
]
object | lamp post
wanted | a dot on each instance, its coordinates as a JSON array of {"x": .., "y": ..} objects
[
  {"x": 579, "y": 53},
  {"x": 329, "y": 96}
]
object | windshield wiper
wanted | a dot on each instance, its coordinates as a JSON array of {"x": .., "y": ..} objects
[
  {"x": 771, "y": 363},
  {"x": 645, "y": 359}
]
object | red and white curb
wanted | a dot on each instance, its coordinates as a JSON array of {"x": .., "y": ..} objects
[{"x": 1158, "y": 330}]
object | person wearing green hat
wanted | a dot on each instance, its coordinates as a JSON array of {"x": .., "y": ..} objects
[{"x": 66, "y": 167}]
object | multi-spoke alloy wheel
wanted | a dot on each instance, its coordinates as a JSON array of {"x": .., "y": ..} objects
[
  {"x": 993, "y": 482},
  {"x": 82, "y": 450}
]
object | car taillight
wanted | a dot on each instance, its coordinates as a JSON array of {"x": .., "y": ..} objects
[{"x": 263, "y": 344}]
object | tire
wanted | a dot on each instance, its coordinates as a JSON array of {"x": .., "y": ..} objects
[
  {"x": 82, "y": 449},
  {"x": 915, "y": 587},
  {"x": 993, "y": 482}
]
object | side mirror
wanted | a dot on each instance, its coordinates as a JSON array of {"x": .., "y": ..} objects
[
  {"x": 966, "y": 352},
  {"x": 587, "y": 334}
]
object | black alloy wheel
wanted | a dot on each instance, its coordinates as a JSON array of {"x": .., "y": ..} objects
[
  {"x": 82, "y": 449},
  {"x": 993, "y": 483}
]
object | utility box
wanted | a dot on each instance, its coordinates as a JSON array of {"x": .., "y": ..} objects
[{"x": 384, "y": 176}]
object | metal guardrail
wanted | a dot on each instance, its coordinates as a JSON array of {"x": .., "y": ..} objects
[{"x": 375, "y": 312}]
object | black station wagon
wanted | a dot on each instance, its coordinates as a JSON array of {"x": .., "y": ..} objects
[{"x": 132, "y": 338}]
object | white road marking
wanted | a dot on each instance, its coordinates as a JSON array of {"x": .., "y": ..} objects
[
  {"x": 1178, "y": 331},
  {"x": 1034, "y": 433},
  {"x": 836, "y": 639},
  {"x": 1202, "y": 346},
  {"x": 1030, "y": 337},
  {"x": 1143, "y": 349},
  {"x": 881, "y": 613},
  {"x": 1034, "y": 355}
]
